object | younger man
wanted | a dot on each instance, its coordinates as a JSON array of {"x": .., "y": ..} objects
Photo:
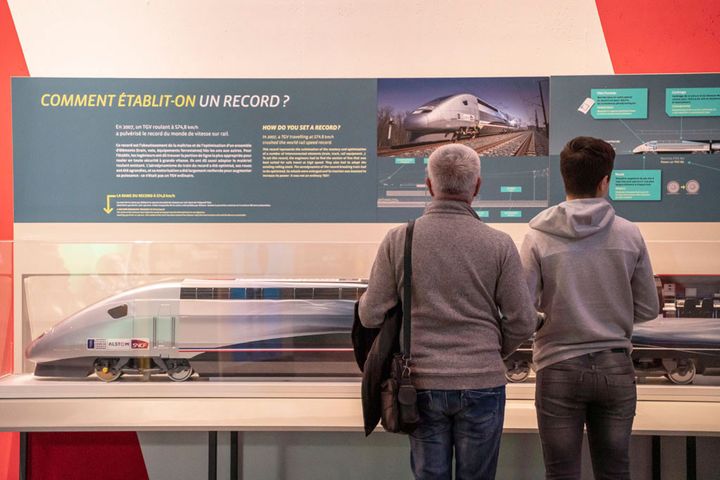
[{"x": 590, "y": 274}]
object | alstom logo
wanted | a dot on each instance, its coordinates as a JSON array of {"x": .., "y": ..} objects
[{"x": 138, "y": 344}]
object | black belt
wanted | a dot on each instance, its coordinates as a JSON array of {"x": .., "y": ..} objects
[{"x": 611, "y": 350}]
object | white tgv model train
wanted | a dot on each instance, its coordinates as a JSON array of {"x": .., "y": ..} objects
[
  {"x": 456, "y": 116},
  {"x": 677, "y": 348},
  {"x": 212, "y": 327},
  {"x": 678, "y": 146}
]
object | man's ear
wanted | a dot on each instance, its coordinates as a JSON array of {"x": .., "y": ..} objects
[
  {"x": 477, "y": 187},
  {"x": 604, "y": 186},
  {"x": 428, "y": 183}
]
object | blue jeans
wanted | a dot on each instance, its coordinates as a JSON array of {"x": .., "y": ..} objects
[
  {"x": 468, "y": 421},
  {"x": 596, "y": 390}
]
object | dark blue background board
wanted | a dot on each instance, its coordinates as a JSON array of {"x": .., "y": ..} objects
[{"x": 65, "y": 156}]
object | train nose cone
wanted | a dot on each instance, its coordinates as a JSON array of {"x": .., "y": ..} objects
[
  {"x": 36, "y": 348},
  {"x": 418, "y": 121}
]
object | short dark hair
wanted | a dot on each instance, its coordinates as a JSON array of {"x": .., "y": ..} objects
[{"x": 584, "y": 162}]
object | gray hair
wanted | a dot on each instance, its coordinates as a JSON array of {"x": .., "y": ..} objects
[{"x": 454, "y": 169}]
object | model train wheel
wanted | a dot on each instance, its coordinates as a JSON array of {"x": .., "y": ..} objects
[
  {"x": 519, "y": 373},
  {"x": 180, "y": 371},
  {"x": 683, "y": 374},
  {"x": 106, "y": 373}
]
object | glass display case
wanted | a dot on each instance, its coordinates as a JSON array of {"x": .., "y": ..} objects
[
  {"x": 682, "y": 343},
  {"x": 6, "y": 320},
  {"x": 255, "y": 335},
  {"x": 199, "y": 310},
  {"x": 187, "y": 311}
]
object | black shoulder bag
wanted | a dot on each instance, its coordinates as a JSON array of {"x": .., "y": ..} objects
[
  {"x": 384, "y": 369},
  {"x": 398, "y": 395}
]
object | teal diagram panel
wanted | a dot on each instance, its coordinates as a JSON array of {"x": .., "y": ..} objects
[
  {"x": 638, "y": 185},
  {"x": 666, "y": 137},
  {"x": 692, "y": 102},
  {"x": 615, "y": 103}
]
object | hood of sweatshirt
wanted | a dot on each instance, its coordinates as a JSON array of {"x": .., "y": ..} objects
[{"x": 575, "y": 218}]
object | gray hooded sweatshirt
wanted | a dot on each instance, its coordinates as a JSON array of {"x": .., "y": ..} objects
[{"x": 589, "y": 272}]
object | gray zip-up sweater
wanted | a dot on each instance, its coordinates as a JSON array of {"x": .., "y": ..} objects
[
  {"x": 589, "y": 272},
  {"x": 464, "y": 272}
]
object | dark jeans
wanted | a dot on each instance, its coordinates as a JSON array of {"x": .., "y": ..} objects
[
  {"x": 596, "y": 390},
  {"x": 468, "y": 421}
]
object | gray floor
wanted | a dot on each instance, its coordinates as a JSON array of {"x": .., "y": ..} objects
[{"x": 351, "y": 456}]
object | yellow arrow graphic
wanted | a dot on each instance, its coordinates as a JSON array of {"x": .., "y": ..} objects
[{"x": 108, "y": 208}]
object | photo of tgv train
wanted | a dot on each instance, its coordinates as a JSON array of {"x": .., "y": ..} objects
[
  {"x": 453, "y": 117},
  {"x": 676, "y": 348},
  {"x": 213, "y": 327},
  {"x": 496, "y": 117},
  {"x": 677, "y": 146}
]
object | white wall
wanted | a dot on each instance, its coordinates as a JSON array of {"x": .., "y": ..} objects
[{"x": 310, "y": 38}]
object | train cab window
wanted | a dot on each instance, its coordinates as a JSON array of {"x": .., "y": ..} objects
[
  {"x": 253, "y": 293},
  {"x": 119, "y": 311},
  {"x": 188, "y": 293},
  {"x": 287, "y": 294},
  {"x": 326, "y": 294},
  {"x": 349, "y": 294},
  {"x": 271, "y": 293},
  {"x": 304, "y": 293},
  {"x": 484, "y": 104},
  {"x": 204, "y": 293},
  {"x": 221, "y": 293}
]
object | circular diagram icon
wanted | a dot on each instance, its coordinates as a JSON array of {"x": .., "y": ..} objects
[
  {"x": 692, "y": 186},
  {"x": 673, "y": 186}
]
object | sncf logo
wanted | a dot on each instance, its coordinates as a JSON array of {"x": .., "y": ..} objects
[{"x": 137, "y": 344}]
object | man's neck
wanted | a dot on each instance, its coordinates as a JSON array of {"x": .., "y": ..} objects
[
  {"x": 579, "y": 197},
  {"x": 454, "y": 198}
]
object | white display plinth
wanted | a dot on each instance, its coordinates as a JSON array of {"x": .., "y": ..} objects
[{"x": 28, "y": 403}]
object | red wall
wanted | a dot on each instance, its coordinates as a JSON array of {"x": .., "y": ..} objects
[
  {"x": 662, "y": 36},
  {"x": 12, "y": 63}
]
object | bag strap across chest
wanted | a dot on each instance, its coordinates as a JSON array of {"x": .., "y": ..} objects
[{"x": 407, "y": 289}]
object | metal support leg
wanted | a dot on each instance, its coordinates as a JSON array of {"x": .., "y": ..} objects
[
  {"x": 691, "y": 457},
  {"x": 212, "y": 455},
  {"x": 23, "y": 455},
  {"x": 656, "y": 456},
  {"x": 236, "y": 456}
]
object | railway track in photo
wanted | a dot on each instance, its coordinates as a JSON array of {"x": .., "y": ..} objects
[{"x": 498, "y": 145}]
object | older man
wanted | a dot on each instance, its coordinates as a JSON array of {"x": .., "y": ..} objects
[{"x": 470, "y": 308}]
